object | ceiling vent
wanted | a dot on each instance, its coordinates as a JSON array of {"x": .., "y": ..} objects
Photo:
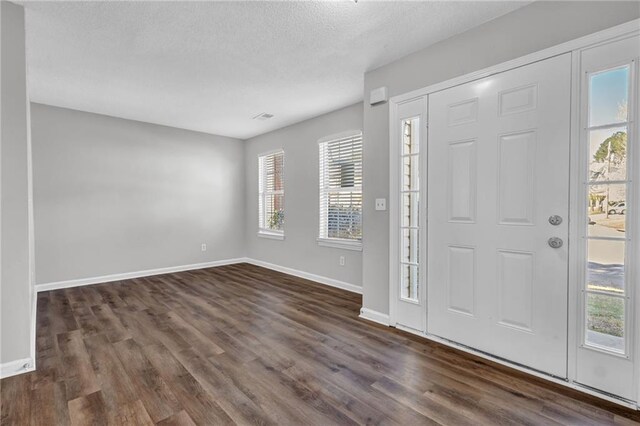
[{"x": 263, "y": 116}]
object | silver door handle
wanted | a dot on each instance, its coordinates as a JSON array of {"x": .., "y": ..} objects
[
  {"x": 555, "y": 220},
  {"x": 555, "y": 242}
]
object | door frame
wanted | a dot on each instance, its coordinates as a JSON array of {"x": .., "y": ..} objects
[{"x": 574, "y": 47}]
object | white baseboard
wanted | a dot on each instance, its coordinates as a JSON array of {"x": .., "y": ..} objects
[
  {"x": 18, "y": 366},
  {"x": 375, "y": 316},
  {"x": 129, "y": 275},
  {"x": 150, "y": 272},
  {"x": 308, "y": 276}
]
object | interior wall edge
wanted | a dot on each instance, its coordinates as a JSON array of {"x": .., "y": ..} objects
[{"x": 15, "y": 274}]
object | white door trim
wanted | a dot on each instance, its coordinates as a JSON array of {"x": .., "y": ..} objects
[
  {"x": 574, "y": 46},
  {"x": 394, "y": 250},
  {"x": 634, "y": 130}
]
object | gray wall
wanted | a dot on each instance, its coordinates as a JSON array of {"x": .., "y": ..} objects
[
  {"x": 527, "y": 30},
  {"x": 114, "y": 196},
  {"x": 15, "y": 294},
  {"x": 299, "y": 250}
]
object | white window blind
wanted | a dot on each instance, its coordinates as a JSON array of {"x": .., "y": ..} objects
[
  {"x": 271, "y": 192},
  {"x": 341, "y": 188}
]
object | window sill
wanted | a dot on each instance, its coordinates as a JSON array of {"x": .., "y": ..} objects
[
  {"x": 340, "y": 244},
  {"x": 271, "y": 235}
]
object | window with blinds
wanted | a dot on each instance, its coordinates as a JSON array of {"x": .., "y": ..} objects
[
  {"x": 271, "y": 193},
  {"x": 341, "y": 189}
]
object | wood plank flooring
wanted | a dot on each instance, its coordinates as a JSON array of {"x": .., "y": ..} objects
[{"x": 246, "y": 345}]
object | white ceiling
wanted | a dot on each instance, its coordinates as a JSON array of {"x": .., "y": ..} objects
[{"x": 212, "y": 66}]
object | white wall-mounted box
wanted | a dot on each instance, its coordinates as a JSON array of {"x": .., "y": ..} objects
[{"x": 378, "y": 95}]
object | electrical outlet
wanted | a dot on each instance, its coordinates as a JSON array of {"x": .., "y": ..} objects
[
  {"x": 342, "y": 261},
  {"x": 204, "y": 247},
  {"x": 381, "y": 204}
]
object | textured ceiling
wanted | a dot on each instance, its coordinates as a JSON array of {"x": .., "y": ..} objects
[{"x": 212, "y": 66}]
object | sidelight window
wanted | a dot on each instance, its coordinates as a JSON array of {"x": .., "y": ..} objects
[
  {"x": 606, "y": 297},
  {"x": 409, "y": 209}
]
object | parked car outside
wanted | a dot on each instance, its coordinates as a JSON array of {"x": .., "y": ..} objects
[{"x": 618, "y": 208}]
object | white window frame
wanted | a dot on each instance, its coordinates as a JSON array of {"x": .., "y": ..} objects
[
  {"x": 341, "y": 243},
  {"x": 629, "y": 194},
  {"x": 263, "y": 231},
  {"x": 421, "y": 194}
]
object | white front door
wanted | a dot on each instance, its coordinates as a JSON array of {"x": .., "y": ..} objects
[{"x": 498, "y": 200}]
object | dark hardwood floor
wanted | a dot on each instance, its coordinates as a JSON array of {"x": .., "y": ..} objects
[{"x": 243, "y": 344}]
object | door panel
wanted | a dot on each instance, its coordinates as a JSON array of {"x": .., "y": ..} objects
[
  {"x": 502, "y": 144},
  {"x": 515, "y": 289},
  {"x": 461, "y": 181},
  {"x": 516, "y": 177},
  {"x": 462, "y": 279}
]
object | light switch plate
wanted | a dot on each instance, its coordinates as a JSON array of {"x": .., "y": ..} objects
[{"x": 381, "y": 203}]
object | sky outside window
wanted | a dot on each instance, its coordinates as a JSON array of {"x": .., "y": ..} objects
[{"x": 609, "y": 94}]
